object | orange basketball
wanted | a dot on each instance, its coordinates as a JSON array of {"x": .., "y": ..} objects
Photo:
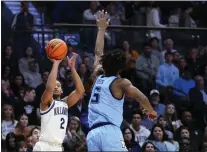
[{"x": 56, "y": 49}]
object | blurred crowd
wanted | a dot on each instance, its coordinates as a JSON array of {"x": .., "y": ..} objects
[{"x": 175, "y": 83}]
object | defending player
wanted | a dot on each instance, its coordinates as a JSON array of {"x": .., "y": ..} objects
[
  {"x": 54, "y": 111},
  {"x": 107, "y": 98}
]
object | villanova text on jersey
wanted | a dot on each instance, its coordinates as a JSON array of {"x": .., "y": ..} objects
[{"x": 60, "y": 111}]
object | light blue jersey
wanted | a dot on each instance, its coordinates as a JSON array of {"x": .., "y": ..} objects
[{"x": 104, "y": 107}]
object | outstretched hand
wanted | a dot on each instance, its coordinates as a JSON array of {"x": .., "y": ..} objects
[
  {"x": 72, "y": 61},
  {"x": 101, "y": 20}
]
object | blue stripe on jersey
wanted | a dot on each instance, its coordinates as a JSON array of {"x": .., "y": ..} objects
[{"x": 48, "y": 110}]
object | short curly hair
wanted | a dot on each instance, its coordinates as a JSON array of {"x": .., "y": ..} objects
[{"x": 113, "y": 62}]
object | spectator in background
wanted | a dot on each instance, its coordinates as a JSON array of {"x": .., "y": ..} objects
[
  {"x": 193, "y": 61},
  {"x": 176, "y": 58},
  {"x": 17, "y": 84},
  {"x": 185, "y": 18},
  {"x": 185, "y": 145},
  {"x": 23, "y": 62},
  {"x": 11, "y": 142},
  {"x": 141, "y": 133},
  {"x": 147, "y": 65},
  {"x": 182, "y": 65},
  {"x": 9, "y": 59},
  {"x": 133, "y": 54},
  {"x": 88, "y": 14},
  {"x": 120, "y": 10},
  {"x": 173, "y": 20},
  {"x": 160, "y": 140},
  {"x": 62, "y": 69},
  {"x": 161, "y": 121},
  {"x": 27, "y": 106},
  {"x": 22, "y": 21},
  {"x": 195, "y": 133},
  {"x": 130, "y": 106},
  {"x": 80, "y": 110},
  {"x": 82, "y": 71},
  {"x": 114, "y": 20},
  {"x": 155, "y": 102},
  {"x": 34, "y": 134},
  {"x": 32, "y": 77},
  {"x": 74, "y": 134},
  {"x": 153, "y": 19},
  {"x": 169, "y": 46},
  {"x": 6, "y": 93},
  {"x": 70, "y": 54},
  {"x": 198, "y": 97},
  {"x": 86, "y": 61},
  {"x": 8, "y": 122},
  {"x": 7, "y": 74},
  {"x": 167, "y": 72},
  {"x": 129, "y": 139},
  {"x": 22, "y": 128},
  {"x": 155, "y": 49},
  {"x": 184, "y": 83},
  {"x": 148, "y": 147},
  {"x": 170, "y": 116},
  {"x": 68, "y": 83},
  {"x": 40, "y": 88}
]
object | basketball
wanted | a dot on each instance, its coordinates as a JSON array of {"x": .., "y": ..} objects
[{"x": 56, "y": 49}]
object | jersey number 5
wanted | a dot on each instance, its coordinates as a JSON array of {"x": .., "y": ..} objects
[
  {"x": 62, "y": 123},
  {"x": 96, "y": 96}
]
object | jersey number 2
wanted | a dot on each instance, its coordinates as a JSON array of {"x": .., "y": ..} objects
[{"x": 62, "y": 123}]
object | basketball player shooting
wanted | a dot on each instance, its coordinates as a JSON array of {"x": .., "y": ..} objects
[
  {"x": 54, "y": 110},
  {"x": 107, "y": 97}
]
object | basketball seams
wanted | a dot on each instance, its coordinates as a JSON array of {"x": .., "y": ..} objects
[
  {"x": 56, "y": 49},
  {"x": 65, "y": 52}
]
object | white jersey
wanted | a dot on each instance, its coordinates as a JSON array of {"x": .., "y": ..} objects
[{"x": 54, "y": 122}]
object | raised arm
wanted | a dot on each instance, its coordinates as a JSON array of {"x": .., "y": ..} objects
[
  {"x": 133, "y": 92},
  {"x": 47, "y": 95},
  {"x": 102, "y": 24},
  {"x": 79, "y": 88}
]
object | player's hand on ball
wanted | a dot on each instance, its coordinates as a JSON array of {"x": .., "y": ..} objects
[
  {"x": 57, "y": 61},
  {"x": 152, "y": 115},
  {"x": 72, "y": 61},
  {"x": 101, "y": 20}
]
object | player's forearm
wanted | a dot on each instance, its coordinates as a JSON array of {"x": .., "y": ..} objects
[
  {"x": 51, "y": 81},
  {"x": 78, "y": 83},
  {"x": 143, "y": 100},
  {"x": 99, "y": 46}
]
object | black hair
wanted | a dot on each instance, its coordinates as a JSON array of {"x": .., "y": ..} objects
[
  {"x": 29, "y": 89},
  {"x": 168, "y": 53},
  {"x": 151, "y": 137},
  {"x": 138, "y": 112},
  {"x": 145, "y": 144},
  {"x": 31, "y": 131},
  {"x": 132, "y": 132},
  {"x": 154, "y": 38},
  {"x": 113, "y": 62}
]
